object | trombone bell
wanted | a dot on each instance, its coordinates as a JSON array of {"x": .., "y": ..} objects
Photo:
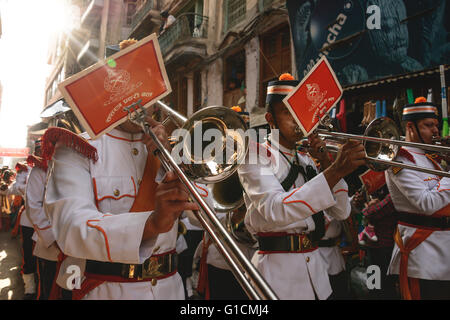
[{"x": 381, "y": 128}]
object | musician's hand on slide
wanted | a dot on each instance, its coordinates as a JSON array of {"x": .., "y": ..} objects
[{"x": 171, "y": 199}]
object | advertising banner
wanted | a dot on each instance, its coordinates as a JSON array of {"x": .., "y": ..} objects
[{"x": 365, "y": 40}]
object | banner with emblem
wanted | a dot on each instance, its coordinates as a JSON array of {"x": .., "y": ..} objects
[
  {"x": 314, "y": 97},
  {"x": 99, "y": 94},
  {"x": 373, "y": 180}
]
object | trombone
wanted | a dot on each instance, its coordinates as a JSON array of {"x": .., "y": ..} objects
[
  {"x": 382, "y": 143},
  {"x": 209, "y": 172}
]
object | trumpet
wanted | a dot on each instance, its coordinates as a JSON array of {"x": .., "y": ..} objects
[
  {"x": 382, "y": 143},
  {"x": 440, "y": 141}
]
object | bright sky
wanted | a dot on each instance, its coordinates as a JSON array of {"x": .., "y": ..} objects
[{"x": 27, "y": 28}]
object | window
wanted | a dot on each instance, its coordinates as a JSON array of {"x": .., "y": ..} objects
[
  {"x": 234, "y": 81},
  {"x": 197, "y": 91},
  {"x": 178, "y": 97},
  {"x": 275, "y": 58},
  {"x": 131, "y": 11},
  {"x": 235, "y": 12}
]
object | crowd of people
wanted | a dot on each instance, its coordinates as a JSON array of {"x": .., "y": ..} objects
[{"x": 109, "y": 209}]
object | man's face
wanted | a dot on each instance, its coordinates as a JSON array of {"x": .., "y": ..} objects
[
  {"x": 37, "y": 151},
  {"x": 428, "y": 128},
  {"x": 284, "y": 122},
  {"x": 130, "y": 127},
  {"x": 392, "y": 40}
]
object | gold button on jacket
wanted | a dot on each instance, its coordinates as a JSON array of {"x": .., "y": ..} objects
[
  {"x": 135, "y": 151},
  {"x": 116, "y": 192}
]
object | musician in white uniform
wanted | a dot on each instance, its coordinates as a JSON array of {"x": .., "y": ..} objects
[
  {"x": 421, "y": 257},
  {"x": 113, "y": 212},
  {"x": 286, "y": 197},
  {"x": 28, "y": 268},
  {"x": 45, "y": 248}
]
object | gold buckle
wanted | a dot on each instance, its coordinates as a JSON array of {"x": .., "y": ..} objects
[{"x": 150, "y": 268}]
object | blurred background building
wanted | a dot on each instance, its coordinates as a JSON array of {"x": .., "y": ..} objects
[{"x": 217, "y": 52}]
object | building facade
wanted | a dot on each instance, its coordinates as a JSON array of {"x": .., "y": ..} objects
[{"x": 217, "y": 52}]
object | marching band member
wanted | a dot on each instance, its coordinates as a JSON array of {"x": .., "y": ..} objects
[
  {"x": 286, "y": 197},
  {"x": 113, "y": 209},
  {"x": 28, "y": 268},
  {"x": 45, "y": 248},
  {"x": 421, "y": 257},
  {"x": 215, "y": 278}
]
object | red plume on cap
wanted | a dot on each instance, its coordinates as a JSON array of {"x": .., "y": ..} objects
[
  {"x": 420, "y": 100},
  {"x": 286, "y": 77},
  {"x": 236, "y": 108}
]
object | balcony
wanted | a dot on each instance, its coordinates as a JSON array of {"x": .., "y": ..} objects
[
  {"x": 187, "y": 36},
  {"x": 92, "y": 13},
  {"x": 141, "y": 13}
]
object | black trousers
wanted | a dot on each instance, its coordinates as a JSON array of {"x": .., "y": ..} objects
[
  {"x": 46, "y": 275},
  {"x": 223, "y": 285},
  {"x": 434, "y": 290},
  {"x": 29, "y": 261},
  {"x": 185, "y": 258},
  {"x": 382, "y": 257},
  {"x": 340, "y": 286}
]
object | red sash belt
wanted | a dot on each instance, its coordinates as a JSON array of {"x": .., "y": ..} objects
[{"x": 409, "y": 287}]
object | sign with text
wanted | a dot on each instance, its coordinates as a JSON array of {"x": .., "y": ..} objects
[
  {"x": 99, "y": 94},
  {"x": 14, "y": 152},
  {"x": 373, "y": 180},
  {"x": 314, "y": 97}
]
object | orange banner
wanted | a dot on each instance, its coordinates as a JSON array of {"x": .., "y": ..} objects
[
  {"x": 99, "y": 94},
  {"x": 14, "y": 152},
  {"x": 314, "y": 97},
  {"x": 373, "y": 180}
]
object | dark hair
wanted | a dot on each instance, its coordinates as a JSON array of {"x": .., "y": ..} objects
[{"x": 164, "y": 14}]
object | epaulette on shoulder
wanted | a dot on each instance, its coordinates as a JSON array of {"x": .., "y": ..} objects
[
  {"x": 56, "y": 135},
  {"x": 396, "y": 170},
  {"x": 406, "y": 154},
  {"x": 21, "y": 167},
  {"x": 34, "y": 161}
]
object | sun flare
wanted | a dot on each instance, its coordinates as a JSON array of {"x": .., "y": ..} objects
[{"x": 28, "y": 26}]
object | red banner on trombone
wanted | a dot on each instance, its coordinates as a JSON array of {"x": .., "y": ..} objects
[
  {"x": 314, "y": 97},
  {"x": 99, "y": 94},
  {"x": 373, "y": 180}
]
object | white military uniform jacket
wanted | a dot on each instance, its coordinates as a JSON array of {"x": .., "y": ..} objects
[
  {"x": 421, "y": 193},
  {"x": 332, "y": 255},
  {"x": 270, "y": 209},
  {"x": 89, "y": 206},
  {"x": 18, "y": 189},
  {"x": 45, "y": 247}
]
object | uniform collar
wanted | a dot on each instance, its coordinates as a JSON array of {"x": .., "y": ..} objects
[
  {"x": 277, "y": 145},
  {"x": 415, "y": 150},
  {"x": 125, "y": 136}
]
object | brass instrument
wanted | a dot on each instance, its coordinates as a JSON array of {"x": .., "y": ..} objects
[
  {"x": 208, "y": 170},
  {"x": 382, "y": 143}
]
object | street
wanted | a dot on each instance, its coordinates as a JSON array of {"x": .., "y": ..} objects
[{"x": 11, "y": 283}]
